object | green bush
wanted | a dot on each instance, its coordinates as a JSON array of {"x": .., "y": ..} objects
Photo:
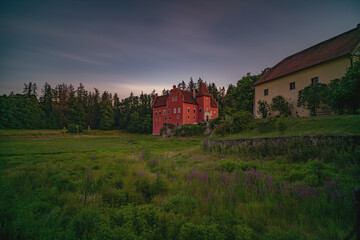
[
  {"x": 241, "y": 120},
  {"x": 74, "y": 128},
  {"x": 188, "y": 130},
  {"x": 264, "y": 108},
  {"x": 264, "y": 125},
  {"x": 216, "y": 122},
  {"x": 280, "y": 104},
  {"x": 222, "y": 130}
]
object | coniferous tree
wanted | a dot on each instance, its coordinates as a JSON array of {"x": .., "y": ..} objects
[{"x": 106, "y": 112}]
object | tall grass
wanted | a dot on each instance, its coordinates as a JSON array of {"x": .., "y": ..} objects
[{"x": 143, "y": 187}]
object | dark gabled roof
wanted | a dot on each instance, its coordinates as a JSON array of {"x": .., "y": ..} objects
[
  {"x": 203, "y": 91},
  {"x": 160, "y": 101},
  {"x": 188, "y": 97},
  {"x": 339, "y": 46}
]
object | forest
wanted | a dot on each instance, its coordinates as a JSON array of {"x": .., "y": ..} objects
[{"x": 64, "y": 106}]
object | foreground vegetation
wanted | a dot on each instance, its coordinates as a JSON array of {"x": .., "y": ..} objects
[{"x": 113, "y": 185}]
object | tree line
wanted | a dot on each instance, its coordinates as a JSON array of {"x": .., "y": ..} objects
[{"x": 64, "y": 105}]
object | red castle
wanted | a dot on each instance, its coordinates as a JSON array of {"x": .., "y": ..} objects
[{"x": 183, "y": 107}]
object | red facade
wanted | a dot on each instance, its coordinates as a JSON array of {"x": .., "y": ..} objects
[{"x": 183, "y": 107}]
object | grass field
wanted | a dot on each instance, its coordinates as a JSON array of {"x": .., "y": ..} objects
[
  {"x": 320, "y": 125},
  {"x": 114, "y": 185}
]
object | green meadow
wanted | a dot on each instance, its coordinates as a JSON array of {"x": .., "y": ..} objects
[
  {"x": 115, "y": 185},
  {"x": 320, "y": 125}
]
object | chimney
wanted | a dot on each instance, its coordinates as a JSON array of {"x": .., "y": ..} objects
[{"x": 194, "y": 93}]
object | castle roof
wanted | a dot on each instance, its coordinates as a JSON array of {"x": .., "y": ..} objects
[
  {"x": 160, "y": 101},
  {"x": 203, "y": 91},
  {"x": 342, "y": 45},
  {"x": 188, "y": 97}
]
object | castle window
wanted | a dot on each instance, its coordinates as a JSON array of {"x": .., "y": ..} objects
[
  {"x": 169, "y": 111},
  {"x": 178, "y": 116},
  {"x": 165, "y": 118},
  {"x": 172, "y": 99},
  {"x": 292, "y": 85},
  {"x": 174, "y": 110},
  {"x": 159, "y": 119},
  {"x": 164, "y": 112},
  {"x": 169, "y": 118},
  {"x": 155, "y": 119},
  {"x": 194, "y": 110},
  {"x": 188, "y": 117},
  {"x": 155, "y": 113},
  {"x": 194, "y": 117},
  {"x": 160, "y": 113},
  {"x": 177, "y": 124},
  {"x": 178, "y": 110},
  {"x": 214, "y": 113},
  {"x": 266, "y": 92},
  {"x": 188, "y": 110},
  {"x": 314, "y": 80},
  {"x": 175, "y": 99},
  {"x": 200, "y": 110}
]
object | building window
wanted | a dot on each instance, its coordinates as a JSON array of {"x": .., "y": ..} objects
[
  {"x": 194, "y": 117},
  {"x": 175, "y": 99},
  {"x": 172, "y": 99},
  {"x": 215, "y": 114},
  {"x": 188, "y": 117},
  {"x": 155, "y": 119},
  {"x": 169, "y": 118},
  {"x": 194, "y": 110},
  {"x": 159, "y": 119},
  {"x": 177, "y": 124},
  {"x": 178, "y": 116},
  {"x": 178, "y": 110},
  {"x": 266, "y": 92},
  {"x": 174, "y": 110},
  {"x": 188, "y": 110},
  {"x": 315, "y": 80},
  {"x": 200, "y": 110},
  {"x": 292, "y": 85},
  {"x": 164, "y": 112},
  {"x": 165, "y": 118},
  {"x": 169, "y": 111},
  {"x": 155, "y": 113}
]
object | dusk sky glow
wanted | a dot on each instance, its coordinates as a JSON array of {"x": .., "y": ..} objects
[{"x": 124, "y": 46}]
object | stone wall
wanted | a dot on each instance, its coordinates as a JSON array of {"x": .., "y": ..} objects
[{"x": 280, "y": 141}]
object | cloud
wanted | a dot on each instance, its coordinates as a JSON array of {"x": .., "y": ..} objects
[{"x": 74, "y": 57}]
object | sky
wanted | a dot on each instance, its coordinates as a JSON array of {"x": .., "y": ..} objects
[{"x": 132, "y": 46}]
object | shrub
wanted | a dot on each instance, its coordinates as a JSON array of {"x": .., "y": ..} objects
[
  {"x": 74, "y": 128},
  {"x": 188, "y": 130},
  {"x": 344, "y": 94},
  {"x": 264, "y": 125},
  {"x": 215, "y": 122},
  {"x": 264, "y": 108},
  {"x": 311, "y": 96},
  {"x": 222, "y": 130},
  {"x": 241, "y": 120},
  {"x": 280, "y": 104}
]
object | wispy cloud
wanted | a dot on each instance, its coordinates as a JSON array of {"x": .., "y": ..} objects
[{"x": 74, "y": 57}]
